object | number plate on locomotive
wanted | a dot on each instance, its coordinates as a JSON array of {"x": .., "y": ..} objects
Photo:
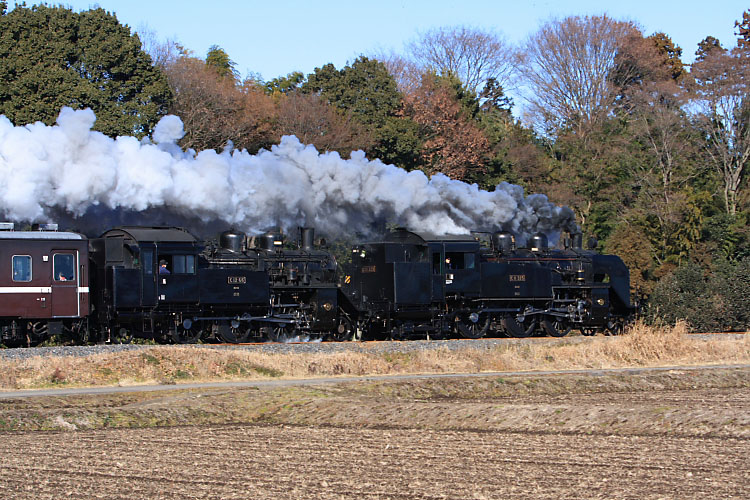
[
  {"x": 516, "y": 277},
  {"x": 236, "y": 280}
]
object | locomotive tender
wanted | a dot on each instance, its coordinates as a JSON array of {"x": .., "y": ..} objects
[{"x": 162, "y": 283}]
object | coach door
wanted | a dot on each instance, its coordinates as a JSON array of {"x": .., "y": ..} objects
[{"x": 65, "y": 284}]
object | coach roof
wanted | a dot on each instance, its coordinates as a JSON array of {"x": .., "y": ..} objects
[{"x": 40, "y": 235}]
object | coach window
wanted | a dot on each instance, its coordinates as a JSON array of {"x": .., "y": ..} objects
[
  {"x": 64, "y": 267},
  {"x": 21, "y": 268}
]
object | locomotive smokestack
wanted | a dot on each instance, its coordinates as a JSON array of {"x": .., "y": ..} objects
[
  {"x": 577, "y": 241},
  {"x": 307, "y": 238}
]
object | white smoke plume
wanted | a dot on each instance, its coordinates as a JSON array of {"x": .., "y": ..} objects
[{"x": 70, "y": 168}]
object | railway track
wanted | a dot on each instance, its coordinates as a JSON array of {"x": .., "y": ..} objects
[{"x": 328, "y": 347}]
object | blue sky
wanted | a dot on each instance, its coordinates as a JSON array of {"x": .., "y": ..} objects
[{"x": 275, "y": 38}]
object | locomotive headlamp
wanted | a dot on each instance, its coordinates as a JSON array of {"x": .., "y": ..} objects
[
  {"x": 600, "y": 302},
  {"x": 327, "y": 306}
]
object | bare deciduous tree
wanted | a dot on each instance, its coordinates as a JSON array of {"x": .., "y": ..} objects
[
  {"x": 567, "y": 66},
  {"x": 471, "y": 54},
  {"x": 405, "y": 71},
  {"x": 454, "y": 145},
  {"x": 163, "y": 53},
  {"x": 721, "y": 95}
]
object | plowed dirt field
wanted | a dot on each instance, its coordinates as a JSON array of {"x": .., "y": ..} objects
[
  {"x": 683, "y": 438},
  {"x": 283, "y": 462}
]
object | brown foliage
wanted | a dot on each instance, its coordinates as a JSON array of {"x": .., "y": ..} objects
[
  {"x": 454, "y": 144},
  {"x": 743, "y": 31},
  {"x": 629, "y": 242},
  {"x": 640, "y": 346},
  {"x": 215, "y": 110},
  {"x": 314, "y": 121},
  {"x": 642, "y": 60}
]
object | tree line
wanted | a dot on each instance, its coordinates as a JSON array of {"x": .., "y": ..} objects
[{"x": 649, "y": 151}]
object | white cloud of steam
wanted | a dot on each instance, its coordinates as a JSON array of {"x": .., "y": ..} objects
[{"x": 70, "y": 167}]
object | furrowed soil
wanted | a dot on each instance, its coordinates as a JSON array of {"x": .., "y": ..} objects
[{"x": 668, "y": 434}]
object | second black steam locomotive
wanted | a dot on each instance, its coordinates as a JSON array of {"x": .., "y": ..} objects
[
  {"x": 413, "y": 284},
  {"x": 162, "y": 283}
]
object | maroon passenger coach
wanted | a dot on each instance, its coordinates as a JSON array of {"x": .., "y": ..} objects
[{"x": 44, "y": 277}]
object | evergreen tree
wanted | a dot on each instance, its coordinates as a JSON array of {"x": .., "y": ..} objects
[
  {"x": 368, "y": 91},
  {"x": 52, "y": 57},
  {"x": 218, "y": 60}
]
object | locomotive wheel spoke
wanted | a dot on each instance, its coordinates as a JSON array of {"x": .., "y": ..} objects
[
  {"x": 280, "y": 333},
  {"x": 556, "y": 328},
  {"x": 472, "y": 325},
  {"x": 616, "y": 329},
  {"x": 233, "y": 335},
  {"x": 123, "y": 336},
  {"x": 188, "y": 335},
  {"x": 344, "y": 330},
  {"x": 521, "y": 330}
]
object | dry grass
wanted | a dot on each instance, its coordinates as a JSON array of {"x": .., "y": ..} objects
[{"x": 641, "y": 346}]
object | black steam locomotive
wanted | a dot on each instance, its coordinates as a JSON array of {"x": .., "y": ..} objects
[
  {"x": 419, "y": 285},
  {"x": 163, "y": 284}
]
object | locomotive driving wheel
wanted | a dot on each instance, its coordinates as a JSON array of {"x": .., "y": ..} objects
[
  {"x": 122, "y": 336},
  {"x": 614, "y": 328},
  {"x": 344, "y": 330},
  {"x": 556, "y": 327},
  {"x": 280, "y": 332},
  {"x": 520, "y": 329},
  {"x": 472, "y": 325},
  {"x": 187, "y": 335}
]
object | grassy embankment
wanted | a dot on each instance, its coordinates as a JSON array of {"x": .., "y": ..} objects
[{"x": 641, "y": 346}]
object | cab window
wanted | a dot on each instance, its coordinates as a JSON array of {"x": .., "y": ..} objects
[
  {"x": 147, "y": 258},
  {"x": 64, "y": 267},
  {"x": 436, "y": 267},
  {"x": 460, "y": 260},
  {"x": 21, "y": 268},
  {"x": 183, "y": 264}
]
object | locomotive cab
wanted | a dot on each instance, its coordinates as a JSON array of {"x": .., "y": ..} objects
[
  {"x": 147, "y": 267},
  {"x": 153, "y": 282},
  {"x": 455, "y": 267}
]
